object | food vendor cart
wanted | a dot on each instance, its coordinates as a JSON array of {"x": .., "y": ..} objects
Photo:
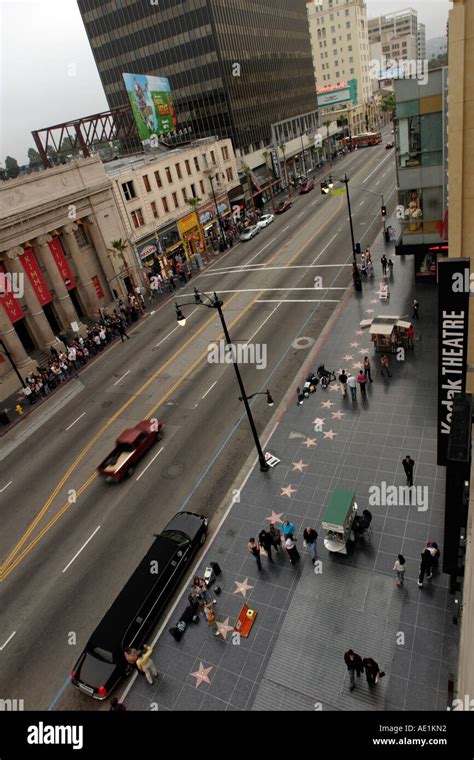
[
  {"x": 338, "y": 519},
  {"x": 387, "y": 333}
]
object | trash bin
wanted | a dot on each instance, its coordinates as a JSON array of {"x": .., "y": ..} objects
[{"x": 4, "y": 418}]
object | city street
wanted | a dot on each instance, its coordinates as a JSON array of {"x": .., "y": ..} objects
[{"x": 70, "y": 541}]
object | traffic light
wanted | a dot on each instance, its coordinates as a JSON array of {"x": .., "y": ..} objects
[
  {"x": 384, "y": 210},
  {"x": 324, "y": 188}
]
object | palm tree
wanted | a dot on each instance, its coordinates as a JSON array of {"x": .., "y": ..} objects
[
  {"x": 282, "y": 147},
  {"x": 119, "y": 248},
  {"x": 265, "y": 155},
  {"x": 327, "y": 124},
  {"x": 249, "y": 180},
  {"x": 195, "y": 203},
  {"x": 388, "y": 106}
]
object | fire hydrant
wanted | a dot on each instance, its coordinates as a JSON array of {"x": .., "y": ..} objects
[{"x": 19, "y": 409}]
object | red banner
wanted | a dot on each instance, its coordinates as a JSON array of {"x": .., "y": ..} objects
[
  {"x": 10, "y": 303},
  {"x": 61, "y": 262},
  {"x": 30, "y": 265},
  {"x": 98, "y": 288}
]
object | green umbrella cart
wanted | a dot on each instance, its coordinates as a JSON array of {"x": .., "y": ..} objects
[{"x": 338, "y": 519}]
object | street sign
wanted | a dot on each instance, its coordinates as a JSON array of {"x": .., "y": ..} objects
[{"x": 271, "y": 459}]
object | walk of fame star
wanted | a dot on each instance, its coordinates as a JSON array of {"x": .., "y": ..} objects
[
  {"x": 275, "y": 518},
  {"x": 338, "y": 415},
  {"x": 287, "y": 491},
  {"x": 243, "y": 587},
  {"x": 202, "y": 675},
  {"x": 224, "y": 628},
  {"x": 310, "y": 442},
  {"x": 327, "y": 404},
  {"x": 298, "y": 466},
  {"x": 330, "y": 434}
]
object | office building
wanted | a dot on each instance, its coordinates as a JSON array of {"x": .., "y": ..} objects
[
  {"x": 421, "y": 41},
  {"x": 397, "y": 24}
]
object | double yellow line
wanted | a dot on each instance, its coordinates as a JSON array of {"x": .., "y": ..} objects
[{"x": 20, "y": 551}]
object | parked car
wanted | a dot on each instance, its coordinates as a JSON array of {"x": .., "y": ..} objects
[
  {"x": 131, "y": 617},
  {"x": 265, "y": 220},
  {"x": 284, "y": 206},
  {"x": 249, "y": 232},
  {"x": 306, "y": 187},
  {"x": 130, "y": 447},
  {"x": 389, "y": 145}
]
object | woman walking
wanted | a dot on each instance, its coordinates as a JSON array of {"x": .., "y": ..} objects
[
  {"x": 400, "y": 568},
  {"x": 290, "y": 546},
  {"x": 367, "y": 369},
  {"x": 362, "y": 380}
]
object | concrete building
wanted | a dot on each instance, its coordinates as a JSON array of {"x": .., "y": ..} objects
[
  {"x": 421, "y": 41},
  {"x": 152, "y": 193},
  {"x": 56, "y": 229},
  {"x": 397, "y": 24},
  {"x": 340, "y": 48}
]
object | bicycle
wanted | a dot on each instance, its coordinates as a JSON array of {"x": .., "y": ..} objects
[{"x": 324, "y": 376}]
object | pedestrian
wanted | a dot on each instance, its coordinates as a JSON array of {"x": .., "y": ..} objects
[
  {"x": 416, "y": 307},
  {"x": 385, "y": 366},
  {"x": 146, "y": 665},
  {"x": 435, "y": 552},
  {"x": 362, "y": 380},
  {"x": 352, "y": 383},
  {"x": 400, "y": 567},
  {"x": 370, "y": 268},
  {"x": 343, "y": 382},
  {"x": 408, "y": 465},
  {"x": 276, "y": 537},
  {"x": 171, "y": 282},
  {"x": 372, "y": 671},
  {"x": 354, "y": 665},
  {"x": 384, "y": 262},
  {"x": 290, "y": 546},
  {"x": 310, "y": 536},
  {"x": 287, "y": 528},
  {"x": 116, "y": 706},
  {"x": 201, "y": 592},
  {"x": 210, "y": 613},
  {"x": 131, "y": 655},
  {"x": 367, "y": 368},
  {"x": 410, "y": 336},
  {"x": 390, "y": 267},
  {"x": 254, "y": 549},
  {"x": 266, "y": 542},
  {"x": 122, "y": 330},
  {"x": 426, "y": 566}
]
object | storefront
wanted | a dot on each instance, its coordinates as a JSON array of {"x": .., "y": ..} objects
[
  {"x": 192, "y": 233},
  {"x": 156, "y": 250},
  {"x": 209, "y": 217},
  {"x": 427, "y": 256}
]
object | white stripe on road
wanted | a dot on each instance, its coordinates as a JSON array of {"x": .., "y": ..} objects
[
  {"x": 209, "y": 389},
  {"x": 5, "y": 487},
  {"x": 301, "y": 300},
  {"x": 286, "y": 228},
  {"x": 73, "y": 423},
  {"x": 174, "y": 329},
  {"x": 271, "y": 290},
  {"x": 300, "y": 215},
  {"x": 82, "y": 547},
  {"x": 263, "y": 268},
  {"x": 121, "y": 378},
  {"x": 264, "y": 321},
  {"x": 376, "y": 168},
  {"x": 6, "y": 642},
  {"x": 325, "y": 247},
  {"x": 314, "y": 202},
  {"x": 150, "y": 463}
]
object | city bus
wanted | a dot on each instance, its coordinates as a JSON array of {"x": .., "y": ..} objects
[{"x": 365, "y": 139}]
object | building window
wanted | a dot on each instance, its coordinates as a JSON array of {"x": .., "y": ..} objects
[
  {"x": 230, "y": 175},
  {"x": 168, "y": 174},
  {"x": 137, "y": 218},
  {"x": 154, "y": 209},
  {"x": 165, "y": 204},
  {"x": 185, "y": 197},
  {"x": 225, "y": 153},
  {"x": 349, "y": 36},
  {"x": 201, "y": 185},
  {"x": 146, "y": 182},
  {"x": 80, "y": 236},
  {"x": 158, "y": 179},
  {"x": 128, "y": 190},
  {"x": 196, "y": 163},
  {"x": 178, "y": 171},
  {"x": 175, "y": 200},
  {"x": 193, "y": 191},
  {"x": 213, "y": 157},
  {"x": 188, "y": 168}
]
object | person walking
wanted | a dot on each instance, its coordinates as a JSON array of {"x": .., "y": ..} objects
[
  {"x": 416, "y": 307},
  {"x": 343, "y": 382},
  {"x": 362, "y": 380},
  {"x": 384, "y": 262},
  {"x": 408, "y": 465},
  {"x": 146, "y": 665},
  {"x": 370, "y": 268},
  {"x": 367, "y": 369},
  {"x": 265, "y": 540},
  {"x": 426, "y": 566},
  {"x": 372, "y": 671},
  {"x": 435, "y": 553},
  {"x": 354, "y": 665},
  {"x": 385, "y": 366},
  {"x": 352, "y": 383},
  {"x": 310, "y": 536},
  {"x": 287, "y": 528},
  {"x": 254, "y": 549},
  {"x": 400, "y": 567},
  {"x": 276, "y": 537},
  {"x": 122, "y": 330},
  {"x": 410, "y": 336},
  {"x": 293, "y": 553}
]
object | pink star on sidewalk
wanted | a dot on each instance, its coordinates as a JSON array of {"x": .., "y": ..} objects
[
  {"x": 319, "y": 422},
  {"x": 359, "y": 332},
  {"x": 374, "y": 300},
  {"x": 334, "y": 387},
  {"x": 287, "y": 491},
  {"x": 310, "y": 442},
  {"x": 224, "y": 628},
  {"x": 338, "y": 415},
  {"x": 364, "y": 351},
  {"x": 243, "y": 587},
  {"x": 354, "y": 345},
  {"x": 347, "y": 357},
  {"x": 298, "y": 466},
  {"x": 327, "y": 404},
  {"x": 330, "y": 434},
  {"x": 275, "y": 518},
  {"x": 202, "y": 675},
  {"x": 369, "y": 311}
]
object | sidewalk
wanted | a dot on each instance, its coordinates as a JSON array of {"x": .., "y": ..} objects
[{"x": 293, "y": 657}]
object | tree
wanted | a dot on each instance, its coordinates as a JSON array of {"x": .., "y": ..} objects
[
  {"x": 119, "y": 248},
  {"x": 266, "y": 155},
  {"x": 12, "y": 168},
  {"x": 388, "y": 105},
  {"x": 282, "y": 147},
  {"x": 34, "y": 158},
  {"x": 327, "y": 124},
  {"x": 194, "y": 203}
]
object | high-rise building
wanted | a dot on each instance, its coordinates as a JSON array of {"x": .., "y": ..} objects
[
  {"x": 340, "y": 47},
  {"x": 398, "y": 24},
  {"x": 235, "y": 67},
  {"x": 421, "y": 41}
]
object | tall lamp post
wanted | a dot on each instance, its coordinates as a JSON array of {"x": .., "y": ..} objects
[
  {"x": 216, "y": 303},
  {"x": 221, "y": 228}
]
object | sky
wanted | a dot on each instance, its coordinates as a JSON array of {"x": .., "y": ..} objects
[{"x": 48, "y": 73}]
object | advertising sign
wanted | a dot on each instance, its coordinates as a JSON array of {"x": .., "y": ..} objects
[
  {"x": 34, "y": 274},
  {"x": 98, "y": 287},
  {"x": 152, "y": 105},
  {"x": 149, "y": 247},
  {"x": 453, "y": 314},
  {"x": 338, "y": 94},
  {"x": 61, "y": 262}
]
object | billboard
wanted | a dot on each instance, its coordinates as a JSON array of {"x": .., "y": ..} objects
[
  {"x": 151, "y": 103},
  {"x": 328, "y": 96}
]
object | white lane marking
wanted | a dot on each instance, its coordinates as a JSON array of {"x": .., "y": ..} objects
[
  {"x": 209, "y": 389},
  {"x": 376, "y": 168},
  {"x": 264, "y": 321},
  {"x": 6, "y": 642},
  {"x": 73, "y": 423},
  {"x": 314, "y": 202},
  {"x": 377, "y": 183},
  {"x": 150, "y": 463},
  {"x": 300, "y": 215},
  {"x": 285, "y": 228},
  {"x": 361, "y": 203},
  {"x": 262, "y": 268},
  {"x": 174, "y": 329},
  {"x": 121, "y": 378},
  {"x": 82, "y": 547},
  {"x": 5, "y": 487},
  {"x": 326, "y": 246},
  {"x": 257, "y": 254},
  {"x": 301, "y": 300},
  {"x": 270, "y": 290}
]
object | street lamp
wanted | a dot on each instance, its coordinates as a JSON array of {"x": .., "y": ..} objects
[
  {"x": 325, "y": 187},
  {"x": 216, "y": 303}
]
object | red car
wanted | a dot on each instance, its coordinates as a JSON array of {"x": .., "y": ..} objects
[
  {"x": 306, "y": 187},
  {"x": 284, "y": 206},
  {"x": 388, "y": 146},
  {"x": 130, "y": 447}
]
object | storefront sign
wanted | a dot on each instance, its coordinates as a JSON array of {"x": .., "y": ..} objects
[
  {"x": 169, "y": 238},
  {"x": 33, "y": 272},
  {"x": 453, "y": 313},
  {"x": 98, "y": 288},
  {"x": 208, "y": 214},
  {"x": 61, "y": 262}
]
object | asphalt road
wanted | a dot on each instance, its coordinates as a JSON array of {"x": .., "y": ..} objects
[{"x": 69, "y": 541}]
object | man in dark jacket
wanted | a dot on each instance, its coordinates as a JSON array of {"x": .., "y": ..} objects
[
  {"x": 408, "y": 465},
  {"x": 354, "y": 663},
  {"x": 371, "y": 671},
  {"x": 266, "y": 541},
  {"x": 310, "y": 536},
  {"x": 426, "y": 566}
]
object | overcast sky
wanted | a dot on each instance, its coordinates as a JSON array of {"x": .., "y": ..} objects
[{"x": 48, "y": 74}]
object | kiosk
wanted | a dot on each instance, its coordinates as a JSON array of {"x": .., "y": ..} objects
[{"x": 337, "y": 520}]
